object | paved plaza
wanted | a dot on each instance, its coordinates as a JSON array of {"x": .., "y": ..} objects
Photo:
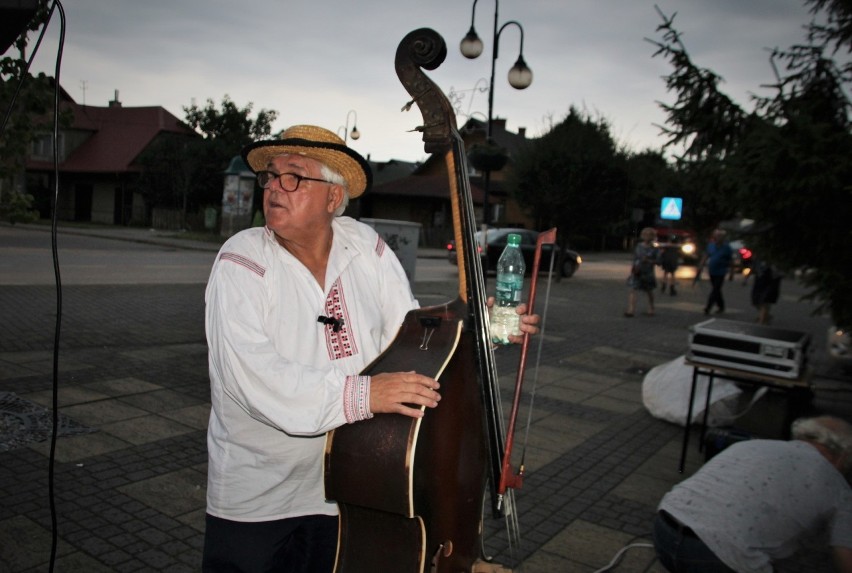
[{"x": 130, "y": 463}]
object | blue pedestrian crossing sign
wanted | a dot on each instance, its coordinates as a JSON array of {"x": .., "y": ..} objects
[{"x": 671, "y": 208}]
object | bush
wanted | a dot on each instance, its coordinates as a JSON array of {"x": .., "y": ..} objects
[{"x": 17, "y": 208}]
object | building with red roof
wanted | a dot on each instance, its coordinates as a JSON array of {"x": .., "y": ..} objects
[{"x": 98, "y": 161}]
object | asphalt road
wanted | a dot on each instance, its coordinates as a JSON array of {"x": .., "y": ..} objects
[{"x": 26, "y": 258}]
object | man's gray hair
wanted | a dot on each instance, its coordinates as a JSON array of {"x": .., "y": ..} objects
[
  {"x": 833, "y": 433},
  {"x": 333, "y": 176}
]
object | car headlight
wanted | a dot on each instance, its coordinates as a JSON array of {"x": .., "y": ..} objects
[
  {"x": 839, "y": 343},
  {"x": 688, "y": 248}
]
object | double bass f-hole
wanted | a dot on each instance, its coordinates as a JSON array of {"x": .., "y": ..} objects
[{"x": 429, "y": 324}]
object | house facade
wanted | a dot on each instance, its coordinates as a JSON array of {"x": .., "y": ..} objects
[{"x": 98, "y": 169}]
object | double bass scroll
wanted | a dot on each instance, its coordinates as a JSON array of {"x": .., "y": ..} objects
[{"x": 426, "y": 49}]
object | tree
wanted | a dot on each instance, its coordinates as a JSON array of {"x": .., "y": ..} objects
[
  {"x": 786, "y": 163},
  {"x": 187, "y": 174},
  {"x": 29, "y": 116},
  {"x": 224, "y": 133},
  {"x": 170, "y": 170},
  {"x": 574, "y": 177},
  {"x": 707, "y": 125},
  {"x": 231, "y": 126},
  {"x": 650, "y": 177},
  {"x": 577, "y": 178},
  {"x": 26, "y": 102}
]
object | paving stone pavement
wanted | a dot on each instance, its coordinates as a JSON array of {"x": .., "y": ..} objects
[{"x": 130, "y": 496}]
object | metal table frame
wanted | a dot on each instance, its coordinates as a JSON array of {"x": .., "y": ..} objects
[{"x": 735, "y": 375}]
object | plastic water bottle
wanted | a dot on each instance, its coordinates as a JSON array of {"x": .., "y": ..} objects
[{"x": 510, "y": 284}]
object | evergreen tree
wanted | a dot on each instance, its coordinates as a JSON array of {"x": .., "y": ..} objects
[{"x": 784, "y": 164}]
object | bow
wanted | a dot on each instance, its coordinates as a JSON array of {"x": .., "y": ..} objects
[{"x": 507, "y": 476}]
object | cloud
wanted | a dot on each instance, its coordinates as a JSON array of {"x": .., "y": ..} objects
[{"x": 315, "y": 61}]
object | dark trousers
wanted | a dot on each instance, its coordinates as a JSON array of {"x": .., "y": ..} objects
[
  {"x": 297, "y": 545},
  {"x": 715, "y": 297},
  {"x": 681, "y": 551}
]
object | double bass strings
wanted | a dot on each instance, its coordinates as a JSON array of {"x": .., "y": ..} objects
[{"x": 537, "y": 360}]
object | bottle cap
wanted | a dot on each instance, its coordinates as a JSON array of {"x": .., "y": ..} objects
[{"x": 514, "y": 239}]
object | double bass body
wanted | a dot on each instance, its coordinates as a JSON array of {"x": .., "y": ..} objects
[{"x": 410, "y": 490}]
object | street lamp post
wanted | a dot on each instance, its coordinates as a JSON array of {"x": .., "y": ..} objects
[
  {"x": 520, "y": 77},
  {"x": 354, "y": 134}
]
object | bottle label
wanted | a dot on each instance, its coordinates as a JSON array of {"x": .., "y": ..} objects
[
  {"x": 504, "y": 322},
  {"x": 509, "y": 287}
]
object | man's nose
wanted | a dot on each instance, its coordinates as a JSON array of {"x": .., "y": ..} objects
[{"x": 274, "y": 186}]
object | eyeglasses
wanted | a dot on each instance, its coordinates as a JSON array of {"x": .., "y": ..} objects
[{"x": 289, "y": 181}]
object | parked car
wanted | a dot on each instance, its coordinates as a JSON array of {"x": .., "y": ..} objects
[{"x": 497, "y": 242}]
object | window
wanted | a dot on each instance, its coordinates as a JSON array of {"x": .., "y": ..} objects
[{"x": 42, "y": 147}]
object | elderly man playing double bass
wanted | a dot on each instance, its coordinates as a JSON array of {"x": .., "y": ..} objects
[{"x": 295, "y": 311}]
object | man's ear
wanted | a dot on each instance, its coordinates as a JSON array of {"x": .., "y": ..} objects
[{"x": 335, "y": 197}]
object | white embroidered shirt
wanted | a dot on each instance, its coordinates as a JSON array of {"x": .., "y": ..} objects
[{"x": 279, "y": 378}]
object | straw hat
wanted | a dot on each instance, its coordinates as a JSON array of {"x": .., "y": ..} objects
[{"x": 316, "y": 143}]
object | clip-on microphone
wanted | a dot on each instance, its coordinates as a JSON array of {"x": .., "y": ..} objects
[{"x": 336, "y": 323}]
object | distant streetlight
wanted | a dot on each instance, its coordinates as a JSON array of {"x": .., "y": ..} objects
[
  {"x": 354, "y": 134},
  {"x": 520, "y": 76}
]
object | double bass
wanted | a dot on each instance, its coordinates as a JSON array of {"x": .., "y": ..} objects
[{"x": 413, "y": 492}]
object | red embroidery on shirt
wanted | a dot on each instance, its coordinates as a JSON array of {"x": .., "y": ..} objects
[
  {"x": 356, "y": 398},
  {"x": 243, "y": 261},
  {"x": 340, "y": 344},
  {"x": 380, "y": 246}
]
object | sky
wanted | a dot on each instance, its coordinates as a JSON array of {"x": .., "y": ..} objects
[{"x": 331, "y": 62}]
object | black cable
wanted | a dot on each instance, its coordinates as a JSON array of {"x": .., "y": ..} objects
[
  {"x": 54, "y": 434},
  {"x": 55, "y": 393}
]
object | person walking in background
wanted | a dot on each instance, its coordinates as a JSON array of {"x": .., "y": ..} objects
[
  {"x": 717, "y": 257},
  {"x": 642, "y": 272},
  {"x": 766, "y": 288},
  {"x": 669, "y": 256}
]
